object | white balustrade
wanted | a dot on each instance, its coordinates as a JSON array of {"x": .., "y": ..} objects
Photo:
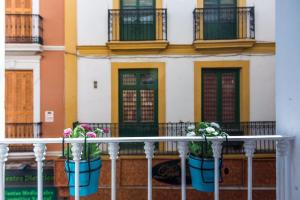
[
  {"x": 282, "y": 159},
  {"x": 149, "y": 151},
  {"x": 249, "y": 147},
  {"x": 113, "y": 150},
  {"x": 39, "y": 152}
]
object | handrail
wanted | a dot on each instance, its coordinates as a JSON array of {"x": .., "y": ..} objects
[{"x": 142, "y": 139}]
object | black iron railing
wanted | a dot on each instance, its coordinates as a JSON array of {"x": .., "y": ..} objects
[
  {"x": 22, "y": 130},
  {"x": 179, "y": 129},
  {"x": 23, "y": 28},
  {"x": 221, "y": 23},
  {"x": 137, "y": 24}
]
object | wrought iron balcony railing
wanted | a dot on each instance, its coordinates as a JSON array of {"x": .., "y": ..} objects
[
  {"x": 23, "y": 28},
  {"x": 137, "y": 24},
  {"x": 223, "y": 23},
  {"x": 179, "y": 129}
]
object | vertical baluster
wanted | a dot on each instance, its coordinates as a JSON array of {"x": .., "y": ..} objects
[
  {"x": 249, "y": 147},
  {"x": 288, "y": 175},
  {"x": 281, "y": 151},
  {"x": 217, "y": 148},
  {"x": 113, "y": 150},
  {"x": 183, "y": 150},
  {"x": 149, "y": 150},
  {"x": 76, "y": 152},
  {"x": 39, "y": 152},
  {"x": 3, "y": 159}
]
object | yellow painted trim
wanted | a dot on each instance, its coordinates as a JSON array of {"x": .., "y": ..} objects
[
  {"x": 185, "y": 49},
  {"x": 70, "y": 63},
  {"x": 220, "y": 44},
  {"x": 116, "y": 66},
  {"x": 240, "y": 3},
  {"x": 137, "y": 45},
  {"x": 244, "y": 85}
]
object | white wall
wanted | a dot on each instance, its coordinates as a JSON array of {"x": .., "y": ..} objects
[
  {"x": 264, "y": 19},
  {"x": 288, "y": 81},
  {"x": 92, "y": 16},
  {"x": 180, "y": 21},
  {"x": 95, "y": 105}
]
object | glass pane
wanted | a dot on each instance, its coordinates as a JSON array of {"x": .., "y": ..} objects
[
  {"x": 228, "y": 2},
  {"x": 228, "y": 97},
  {"x": 146, "y": 3},
  {"x": 129, "y": 79},
  {"x": 129, "y": 106},
  {"x": 147, "y": 105},
  {"x": 210, "y": 86},
  {"x": 147, "y": 79},
  {"x": 129, "y": 3}
]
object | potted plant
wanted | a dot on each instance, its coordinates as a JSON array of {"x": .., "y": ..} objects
[
  {"x": 90, "y": 164},
  {"x": 201, "y": 161}
]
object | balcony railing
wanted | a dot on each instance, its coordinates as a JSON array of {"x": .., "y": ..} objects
[
  {"x": 137, "y": 24},
  {"x": 283, "y": 160},
  {"x": 23, "y": 28},
  {"x": 22, "y": 130},
  {"x": 224, "y": 23},
  {"x": 179, "y": 129}
]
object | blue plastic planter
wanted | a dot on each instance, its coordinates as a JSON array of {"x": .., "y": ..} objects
[
  {"x": 202, "y": 177},
  {"x": 88, "y": 178}
]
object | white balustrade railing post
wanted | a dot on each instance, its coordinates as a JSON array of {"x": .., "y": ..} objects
[
  {"x": 3, "y": 159},
  {"x": 39, "y": 152},
  {"x": 76, "y": 152},
  {"x": 217, "y": 148},
  {"x": 249, "y": 147},
  {"x": 183, "y": 150},
  {"x": 113, "y": 150},
  {"x": 281, "y": 152},
  {"x": 149, "y": 151}
]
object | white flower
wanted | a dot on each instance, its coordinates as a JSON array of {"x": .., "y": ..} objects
[
  {"x": 210, "y": 130},
  {"x": 191, "y": 127},
  {"x": 215, "y": 125},
  {"x": 191, "y": 134},
  {"x": 215, "y": 133}
]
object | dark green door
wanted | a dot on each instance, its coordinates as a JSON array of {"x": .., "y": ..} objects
[
  {"x": 220, "y": 95},
  {"x": 137, "y": 19},
  {"x": 220, "y": 19},
  {"x": 138, "y": 104}
]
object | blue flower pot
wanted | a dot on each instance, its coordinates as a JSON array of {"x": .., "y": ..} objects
[
  {"x": 88, "y": 176},
  {"x": 202, "y": 174}
]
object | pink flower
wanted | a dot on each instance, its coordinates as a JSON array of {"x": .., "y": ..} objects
[
  {"x": 105, "y": 130},
  {"x": 68, "y": 132},
  {"x": 87, "y": 127},
  {"x": 91, "y": 134}
]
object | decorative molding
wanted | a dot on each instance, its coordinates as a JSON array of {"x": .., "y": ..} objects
[
  {"x": 182, "y": 149},
  {"x": 137, "y": 45},
  {"x": 182, "y": 49},
  {"x": 149, "y": 149},
  {"x": 113, "y": 150},
  {"x": 53, "y": 48},
  {"x": 224, "y": 44},
  {"x": 39, "y": 152},
  {"x": 249, "y": 147},
  {"x": 26, "y": 49},
  {"x": 3, "y": 153},
  {"x": 217, "y": 148},
  {"x": 76, "y": 151},
  {"x": 282, "y": 147}
]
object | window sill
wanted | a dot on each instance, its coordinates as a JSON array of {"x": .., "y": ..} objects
[
  {"x": 138, "y": 45},
  {"x": 223, "y": 44}
]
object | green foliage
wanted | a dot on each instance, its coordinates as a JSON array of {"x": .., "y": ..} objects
[{"x": 204, "y": 129}]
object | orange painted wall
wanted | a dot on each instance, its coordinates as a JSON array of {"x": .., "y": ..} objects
[
  {"x": 52, "y": 12},
  {"x": 52, "y": 92}
]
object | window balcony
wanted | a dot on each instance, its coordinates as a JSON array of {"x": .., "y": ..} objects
[
  {"x": 224, "y": 27},
  {"x": 24, "y": 28},
  {"x": 137, "y": 29}
]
